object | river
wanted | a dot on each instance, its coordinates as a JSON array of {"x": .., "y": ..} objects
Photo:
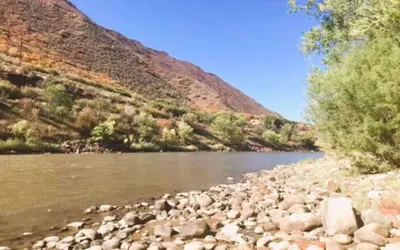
[{"x": 42, "y": 191}]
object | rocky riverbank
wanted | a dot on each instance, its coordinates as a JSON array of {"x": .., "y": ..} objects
[{"x": 309, "y": 206}]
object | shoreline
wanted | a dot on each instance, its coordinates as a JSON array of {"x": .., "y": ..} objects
[{"x": 278, "y": 208}]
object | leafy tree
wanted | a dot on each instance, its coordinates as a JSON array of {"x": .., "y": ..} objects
[
  {"x": 170, "y": 136},
  {"x": 21, "y": 129},
  {"x": 230, "y": 126},
  {"x": 287, "y": 131},
  {"x": 271, "y": 138},
  {"x": 185, "y": 131},
  {"x": 146, "y": 125},
  {"x": 59, "y": 100},
  {"x": 104, "y": 132},
  {"x": 272, "y": 123}
]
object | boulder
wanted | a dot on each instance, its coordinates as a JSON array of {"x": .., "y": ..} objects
[
  {"x": 197, "y": 228},
  {"x": 52, "y": 239},
  {"x": 290, "y": 200},
  {"x": 87, "y": 233},
  {"x": 75, "y": 225},
  {"x": 342, "y": 239},
  {"x": 233, "y": 214},
  {"x": 372, "y": 233},
  {"x": 229, "y": 233},
  {"x": 338, "y": 216},
  {"x": 204, "y": 200},
  {"x": 392, "y": 246},
  {"x": 161, "y": 205},
  {"x": 111, "y": 244},
  {"x": 105, "y": 208},
  {"x": 302, "y": 222},
  {"x": 376, "y": 216},
  {"x": 163, "y": 230},
  {"x": 366, "y": 246},
  {"x": 136, "y": 246},
  {"x": 333, "y": 187},
  {"x": 195, "y": 245}
]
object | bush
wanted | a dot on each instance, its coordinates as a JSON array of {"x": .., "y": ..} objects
[
  {"x": 271, "y": 138},
  {"x": 104, "y": 132},
  {"x": 273, "y": 123},
  {"x": 185, "y": 131},
  {"x": 59, "y": 100},
  {"x": 189, "y": 118},
  {"x": 355, "y": 105},
  {"x": 9, "y": 91},
  {"x": 305, "y": 141},
  {"x": 170, "y": 136},
  {"x": 286, "y": 131},
  {"x": 146, "y": 125},
  {"x": 145, "y": 147},
  {"x": 230, "y": 127},
  {"x": 22, "y": 146},
  {"x": 21, "y": 129},
  {"x": 87, "y": 118}
]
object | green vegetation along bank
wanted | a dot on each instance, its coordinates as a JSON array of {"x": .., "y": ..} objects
[
  {"x": 44, "y": 110},
  {"x": 354, "y": 98}
]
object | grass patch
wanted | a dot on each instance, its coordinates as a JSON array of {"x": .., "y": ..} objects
[{"x": 21, "y": 146}]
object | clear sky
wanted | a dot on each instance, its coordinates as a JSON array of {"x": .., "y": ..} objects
[{"x": 251, "y": 44}]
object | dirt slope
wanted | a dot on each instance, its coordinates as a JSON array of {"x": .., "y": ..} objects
[{"x": 62, "y": 37}]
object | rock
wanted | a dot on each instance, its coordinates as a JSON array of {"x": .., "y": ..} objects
[
  {"x": 111, "y": 244},
  {"x": 210, "y": 239},
  {"x": 245, "y": 246},
  {"x": 88, "y": 233},
  {"x": 204, "y": 200},
  {"x": 162, "y": 205},
  {"x": 395, "y": 232},
  {"x": 109, "y": 219},
  {"x": 290, "y": 200},
  {"x": 233, "y": 214},
  {"x": 105, "y": 208},
  {"x": 75, "y": 225},
  {"x": 283, "y": 245},
  {"x": 259, "y": 230},
  {"x": 332, "y": 245},
  {"x": 136, "y": 246},
  {"x": 124, "y": 233},
  {"x": 374, "y": 194},
  {"x": 96, "y": 243},
  {"x": 52, "y": 239},
  {"x": 302, "y": 222},
  {"x": 170, "y": 246},
  {"x": 372, "y": 233},
  {"x": 197, "y": 228},
  {"x": 306, "y": 244},
  {"x": 230, "y": 178},
  {"x": 342, "y": 239},
  {"x": 366, "y": 246},
  {"x": 163, "y": 230},
  {"x": 94, "y": 248},
  {"x": 63, "y": 246},
  {"x": 246, "y": 213},
  {"x": 194, "y": 246},
  {"x": 125, "y": 245},
  {"x": 51, "y": 245},
  {"x": 130, "y": 219},
  {"x": 268, "y": 226},
  {"x": 209, "y": 246},
  {"x": 68, "y": 239},
  {"x": 4, "y": 248},
  {"x": 39, "y": 244},
  {"x": 389, "y": 207},
  {"x": 214, "y": 223},
  {"x": 162, "y": 215},
  {"x": 392, "y": 246},
  {"x": 27, "y": 234},
  {"x": 298, "y": 208},
  {"x": 146, "y": 217},
  {"x": 333, "y": 187},
  {"x": 277, "y": 215},
  {"x": 338, "y": 216},
  {"x": 229, "y": 233},
  {"x": 221, "y": 247},
  {"x": 263, "y": 241},
  {"x": 375, "y": 216}
]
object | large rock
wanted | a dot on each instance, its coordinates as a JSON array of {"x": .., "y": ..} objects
[
  {"x": 204, "y": 200},
  {"x": 338, "y": 216},
  {"x": 111, "y": 244},
  {"x": 163, "y": 230},
  {"x": 229, "y": 233},
  {"x": 136, "y": 246},
  {"x": 162, "y": 205},
  {"x": 197, "y": 228},
  {"x": 392, "y": 246},
  {"x": 86, "y": 233},
  {"x": 52, "y": 239},
  {"x": 301, "y": 222},
  {"x": 375, "y": 216},
  {"x": 366, "y": 246},
  {"x": 75, "y": 225},
  {"x": 372, "y": 233},
  {"x": 194, "y": 246},
  {"x": 290, "y": 200}
]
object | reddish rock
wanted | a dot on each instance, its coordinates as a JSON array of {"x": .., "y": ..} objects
[
  {"x": 213, "y": 223},
  {"x": 303, "y": 244},
  {"x": 333, "y": 187},
  {"x": 391, "y": 207}
]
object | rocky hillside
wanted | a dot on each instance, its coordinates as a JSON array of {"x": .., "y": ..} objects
[{"x": 54, "y": 33}]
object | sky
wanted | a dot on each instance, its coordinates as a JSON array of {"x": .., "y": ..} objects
[{"x": 251, "y": 44}]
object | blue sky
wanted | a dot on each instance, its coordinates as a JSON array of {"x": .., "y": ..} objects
[{"x": 253, "y": 44}]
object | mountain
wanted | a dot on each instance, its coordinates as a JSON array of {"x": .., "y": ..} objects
[{"x": 56, "y": 33}]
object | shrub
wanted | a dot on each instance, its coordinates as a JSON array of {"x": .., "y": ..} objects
[
  {"x": 31, "y": 92},
  {"x": 273, "y": 123},
  {"x": 59, "y": 100},
  {"x": 146, "y": 125},
  {"x": 21, "y": 129},
  {"x": 286, "y": 131},
  {"x": 170, "y": 136},
  {"x": 185, "y": 131},
  {"x": 271, "y": 138},
  {"x": 9, "y": 91},
  {"x": 230, "y": 127},
  {"x": 305, "y": 141},
  {"x": 189, "y": 118},
  {"x": 104, "y": 132},
  {"x": 355, "y": 105},
  {"x": 87, "y": 118},
  {"x": 145, "y": 146}
]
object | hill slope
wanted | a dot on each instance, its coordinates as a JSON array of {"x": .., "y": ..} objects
[{"x": 57, "y": 33}]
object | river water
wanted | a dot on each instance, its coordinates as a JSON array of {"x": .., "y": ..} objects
[{"x": 42, "y": 191}]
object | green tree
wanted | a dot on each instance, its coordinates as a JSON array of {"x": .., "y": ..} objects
[
  {"x": 287, "y": 131},
  {"x": 170, "y": 136},
  {"x": 104, "y": 132},
  {"x": 230, "y": 127},
  {"x": 272, "y": 123},
  {"x": 272, "y": 139},
  {"x": 146, "y": 125},
  {"x": 185, "y": 131},
  {"x": 59, "y": 100}
]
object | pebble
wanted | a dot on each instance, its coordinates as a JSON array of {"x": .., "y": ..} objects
[{"x": 342, "y": 239}]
